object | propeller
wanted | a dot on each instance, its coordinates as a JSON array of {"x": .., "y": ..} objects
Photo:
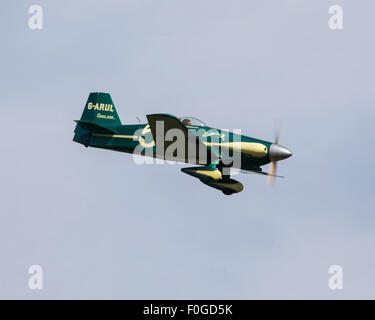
[
  {"x": 273, "y": 168},
  {"x": 276, "y": 153}
]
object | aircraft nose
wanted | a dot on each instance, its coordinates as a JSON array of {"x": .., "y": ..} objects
[{"x": 278, "y": 152}]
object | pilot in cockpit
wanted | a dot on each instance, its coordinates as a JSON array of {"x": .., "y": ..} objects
[{"x": 186, "y": 122}]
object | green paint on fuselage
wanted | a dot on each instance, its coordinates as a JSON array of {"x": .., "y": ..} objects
[{"x": 127, "y": 138}]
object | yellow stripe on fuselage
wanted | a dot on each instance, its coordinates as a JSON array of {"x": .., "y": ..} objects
[
  {"x": 254, "y": 149},
  {"x": 123, "y": 136}
]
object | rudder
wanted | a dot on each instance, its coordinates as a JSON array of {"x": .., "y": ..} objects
[
  {"x": 100, "y": 110},
  {"x": 99, "y": 115}
]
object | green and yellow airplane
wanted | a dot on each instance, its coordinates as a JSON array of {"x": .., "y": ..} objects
[{"x": 186, "y": 139}]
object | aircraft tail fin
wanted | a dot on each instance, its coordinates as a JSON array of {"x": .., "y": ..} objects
[
  {"x": 99, "y": 115},
  {"x": 99, "y": 109}
]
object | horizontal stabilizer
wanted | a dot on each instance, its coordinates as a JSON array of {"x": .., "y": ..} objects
[
  {"x": 259, "y": 172},
  {"x": 93, "y": 127}
]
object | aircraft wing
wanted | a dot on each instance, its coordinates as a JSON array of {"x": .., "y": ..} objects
[{"x": 165, "y": 128}]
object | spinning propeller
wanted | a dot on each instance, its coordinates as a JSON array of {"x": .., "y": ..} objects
[{"x": 277, "y": 152}]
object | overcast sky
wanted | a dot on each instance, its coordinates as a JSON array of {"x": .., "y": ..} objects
[{"x": 101, "y": 226}]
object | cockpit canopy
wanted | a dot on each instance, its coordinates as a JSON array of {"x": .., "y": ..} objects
[{"x": 192, "y": 121}]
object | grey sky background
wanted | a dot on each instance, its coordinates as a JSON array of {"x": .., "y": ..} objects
[{"x": 103, "y": 227}]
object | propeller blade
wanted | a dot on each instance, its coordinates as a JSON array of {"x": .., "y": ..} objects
[
  {"x": 272, "y": 173},
  {"x": 277, "y": 134}
]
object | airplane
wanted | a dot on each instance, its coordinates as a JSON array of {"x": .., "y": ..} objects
[{"x": 188, "y": 140}]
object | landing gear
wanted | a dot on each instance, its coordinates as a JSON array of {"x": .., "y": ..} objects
[
  {"x": 222, "y": 182},
  {"x": 225, "y": 170},
  {"x": 227, "y": 186}
]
